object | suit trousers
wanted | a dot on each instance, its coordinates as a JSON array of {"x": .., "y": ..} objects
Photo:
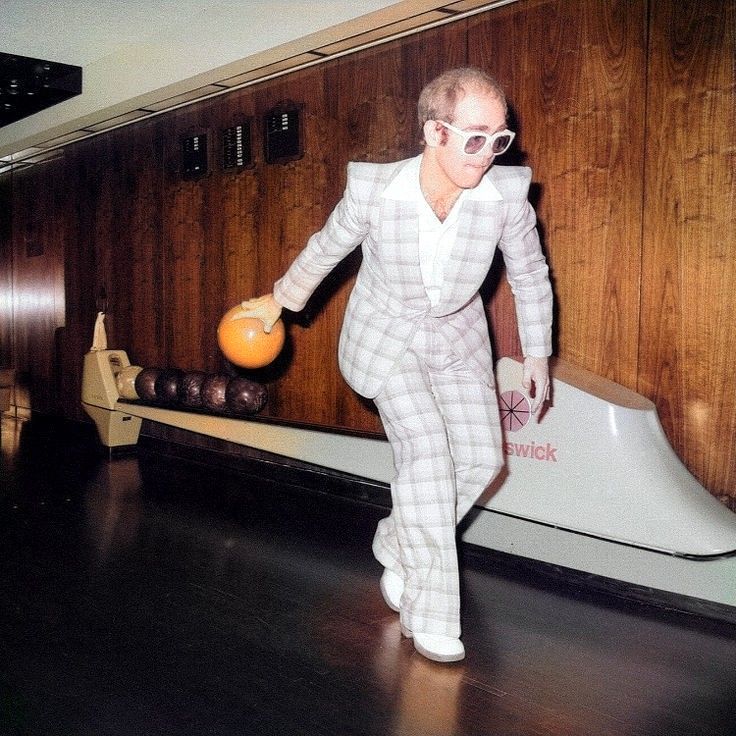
[{"x": 442, "y": 422}]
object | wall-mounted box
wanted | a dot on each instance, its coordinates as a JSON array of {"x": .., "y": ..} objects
[{"x": 284, "y": 133}]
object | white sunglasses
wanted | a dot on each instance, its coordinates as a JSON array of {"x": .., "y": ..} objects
[{"x": 475, "y": 141}]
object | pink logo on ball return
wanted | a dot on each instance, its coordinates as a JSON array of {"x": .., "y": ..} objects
[{"x": 515, "y": 410}]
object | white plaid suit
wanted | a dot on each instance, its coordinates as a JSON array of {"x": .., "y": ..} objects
[{"x": 428, "y": 368}]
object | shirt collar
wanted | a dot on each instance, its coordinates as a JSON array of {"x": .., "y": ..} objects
[{"x": 405, "y": 185}]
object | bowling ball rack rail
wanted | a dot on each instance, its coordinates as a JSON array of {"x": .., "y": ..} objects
[{"x": 230, "y": 414}]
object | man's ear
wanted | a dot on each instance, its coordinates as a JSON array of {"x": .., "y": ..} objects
[{"x": 432, "y": 133}]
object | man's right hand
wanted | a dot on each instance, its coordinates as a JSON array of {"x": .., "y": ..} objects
[{"x": 265, "y": 308}]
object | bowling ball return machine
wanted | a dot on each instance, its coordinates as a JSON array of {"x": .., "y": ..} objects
[{"x": 592, "y": 488}]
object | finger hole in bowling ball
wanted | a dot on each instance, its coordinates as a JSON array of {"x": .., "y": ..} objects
[
  {"x": 145, "y": 383},
  {"x": 213, "y": 392},
  {"x": 243, "y": 396},
  {"x": 190, "y": 389},
  {"x": 167, "y": 385}
]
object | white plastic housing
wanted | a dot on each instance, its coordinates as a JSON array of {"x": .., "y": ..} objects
[{"x": 598, "y": 462}]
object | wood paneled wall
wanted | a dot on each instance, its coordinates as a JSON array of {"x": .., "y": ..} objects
[
  {"x": 575, "y": 73},
  {"x": 625, "y": 111},
  {"x": 687, "y": 339},
  {"x": 38, "y": 209},
  {"x": 6, "y": 272}
]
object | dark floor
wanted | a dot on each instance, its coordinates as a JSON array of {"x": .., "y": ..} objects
[{"x": 149, "y": 595}]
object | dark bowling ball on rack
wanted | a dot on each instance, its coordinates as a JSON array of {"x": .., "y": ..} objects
[
  {"x": 245, "y": 397},
  {"x": 213, "y": 392},
  {"x": 167, "y": 385},
  {"x": 145, "y": 383},
  {"x": 190, "y": 389}
]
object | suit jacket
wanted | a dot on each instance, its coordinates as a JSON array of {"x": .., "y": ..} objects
[{"x": 389, "y": 300}]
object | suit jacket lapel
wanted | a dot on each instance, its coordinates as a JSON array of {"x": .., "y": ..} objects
[
  {"x": 400, "y": 245},
  {"x": 473, "y": 250}
]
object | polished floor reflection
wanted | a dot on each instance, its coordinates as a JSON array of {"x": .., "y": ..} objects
[{"x": 149, "y": 595}]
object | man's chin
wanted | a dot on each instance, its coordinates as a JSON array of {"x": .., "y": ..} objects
[{"x": 472, "y": 178}]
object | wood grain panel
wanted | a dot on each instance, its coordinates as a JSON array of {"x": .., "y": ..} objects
[
  {"x": 300, "y": 195},
  {"x": 135, "y": 254},
  {"x": 574, "y": 74},
  {"x": 240, "y": 192},
  {"x": 191, "y": 219},
  {"x": 688, "y": 336},
  {"x": 113, "y": 240},
  {"x": 75, "y": 336},
  {"x": 6, "y": 271},
  {"x": 39, "y": 209}
]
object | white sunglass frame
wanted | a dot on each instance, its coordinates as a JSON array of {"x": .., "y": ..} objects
[{"x": 466, "y": 135}]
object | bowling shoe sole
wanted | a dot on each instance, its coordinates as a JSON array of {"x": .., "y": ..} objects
[{"x": 420, "y": 644}]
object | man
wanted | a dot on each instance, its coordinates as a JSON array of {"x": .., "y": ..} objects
[{"x": 415, "y": 336}]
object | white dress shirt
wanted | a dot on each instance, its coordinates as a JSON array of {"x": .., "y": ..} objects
[{"x": 435, "y": 238}]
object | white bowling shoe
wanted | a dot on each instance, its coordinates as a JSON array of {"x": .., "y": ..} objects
[
  {"x": 436, "y": 647},
  {"x": 392, "y": 588},
  {"x": 432, "y": 646}
]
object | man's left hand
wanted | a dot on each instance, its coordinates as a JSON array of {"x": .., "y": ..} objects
[{"x": 536, "y": 374}]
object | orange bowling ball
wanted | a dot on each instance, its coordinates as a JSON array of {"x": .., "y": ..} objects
[{"x": 244, "y": 343}]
